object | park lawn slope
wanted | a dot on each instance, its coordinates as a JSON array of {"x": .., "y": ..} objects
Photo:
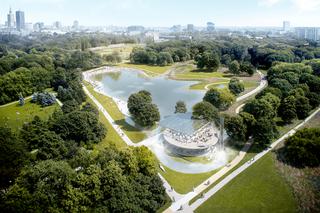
[
  {"x": 148, "y": 69},
  {"x": 133, "y": 133},
  {"x": 184, "y": 183},
  {"x": 260, "y": 188},
  {"x": 14, "y": 116}
]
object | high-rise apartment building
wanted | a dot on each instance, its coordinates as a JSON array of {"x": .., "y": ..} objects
[
  {"x": 286, "y": 26},
  {"x": 309, "y": 33},
  {"x": 190, "y": 27},
  {"x": 20, "y": 20}
]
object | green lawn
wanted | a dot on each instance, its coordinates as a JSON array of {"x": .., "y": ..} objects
[
  {"x": 123, "y": 49},
  {"x": 194, "y": 74},
  {"x": 112, "y": 136},
  {"x": 199, "y": 86},
  {"x": 133, "y": 133},
  {"x": 260, "y": 188},
  {"x": 189, "y": 71},
  {"x": 183, "y": 183},
  {"x": 203, "y": 84},
  {"x": 250, "y": 84},
  {"x": 150, "y": 70},
  {"x": 14, "y": 115},
  {"x": 251, "y": 153}
]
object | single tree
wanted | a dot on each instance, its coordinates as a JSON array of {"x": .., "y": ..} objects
[
  {"x": 235, "y": 86},
  {"x": 180, "y": 107},
  {"x": 236, "y": 128},
  {"x": 205, "y": 110},
  {"x": 220, "y": 98},
  {"x": 234, "y": 67}
]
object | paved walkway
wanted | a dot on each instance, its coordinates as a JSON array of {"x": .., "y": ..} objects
[
  {"x": 239, "y": 107},
  {"x": 235, "y": 173},
  {"x": 263, "y": 84},
  {"x": 15, "y": 102},
  {"x": 205, "y": 184},
  {"x": 171, "y": 193},
  {"x": 116, "y": 127},
  {"x": 178, "y": 199}
]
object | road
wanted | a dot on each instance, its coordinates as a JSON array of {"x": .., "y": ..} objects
[{"x": 235, "y": 173}]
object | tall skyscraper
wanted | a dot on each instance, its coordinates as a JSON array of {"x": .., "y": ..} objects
[
  {"x": 210, "y": 26},
  {"x": 190, "y": 27},
  {"x": 20, "y": 20},
  {"x": 286, "y": 26},
  {"x": 10, "y": 19}
]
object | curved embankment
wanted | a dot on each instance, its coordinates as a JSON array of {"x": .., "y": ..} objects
[{"x": 179, "y": 199}]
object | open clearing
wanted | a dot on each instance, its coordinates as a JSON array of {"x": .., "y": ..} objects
[
  {"x": 123, "y": 49},
  {"x": 258, "y": 189},
  {"x": 14, "y": 115}
]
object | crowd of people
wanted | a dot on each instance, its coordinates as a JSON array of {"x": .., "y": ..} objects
[{"x": 203, "y": 136}]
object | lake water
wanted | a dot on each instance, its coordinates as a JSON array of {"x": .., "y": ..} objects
[{"x": 165, "y": 92}]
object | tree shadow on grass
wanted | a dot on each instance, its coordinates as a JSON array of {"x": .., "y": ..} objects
[
  {"x": 127, "y": 127},
  {"x": 203, "y": 70}
]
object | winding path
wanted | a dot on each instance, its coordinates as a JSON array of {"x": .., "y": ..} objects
[
  {"x": 178, "y": 199},
  {"x": 235, "y": 173}
]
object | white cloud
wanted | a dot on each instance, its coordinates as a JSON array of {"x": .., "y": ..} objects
[
  {"x": 268, "y": 3},
  {"x": 307, "y": 5}
]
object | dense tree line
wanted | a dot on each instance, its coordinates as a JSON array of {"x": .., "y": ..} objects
[
  {"x": 239, "y": 54},
  {"x": 49, "y": 166},
  {"x": 112, "y": 181},
  {"x": 25, "y": 73},
  {"x": 68, "y": 41},
  {"x": 292, "y": 93}
]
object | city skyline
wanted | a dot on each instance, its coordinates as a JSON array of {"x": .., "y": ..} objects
[{"x": 166, "y": 14}]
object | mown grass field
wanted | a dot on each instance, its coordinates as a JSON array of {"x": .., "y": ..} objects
[
  {"x": 250, "y": 154},
  {"x": 260, "y": 188},
  {"x": 123, "y": 49},
  {"x": 183, "y": 183},
  {"x": 14, "y": 116},
  {"x": 148, "y": 69},
  {"x": 133, "y": 133},
  {"x": 188, "y": 71},
  {"x": 194, "y": 74}
]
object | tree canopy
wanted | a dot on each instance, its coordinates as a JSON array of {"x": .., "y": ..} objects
[
  {"x": 142, "y": 109},
  {"x": 220, "y": 98}
]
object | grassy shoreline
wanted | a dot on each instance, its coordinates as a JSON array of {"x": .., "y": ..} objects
[{"x": 132, "y": 132}]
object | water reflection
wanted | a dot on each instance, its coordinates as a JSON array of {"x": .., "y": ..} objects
[{"x": 165, "y": 92}]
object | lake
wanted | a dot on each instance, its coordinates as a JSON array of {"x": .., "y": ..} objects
[{"x": 165, "y": 92}]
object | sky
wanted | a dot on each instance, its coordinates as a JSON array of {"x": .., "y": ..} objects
[{"x": 165, "y": 13}]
